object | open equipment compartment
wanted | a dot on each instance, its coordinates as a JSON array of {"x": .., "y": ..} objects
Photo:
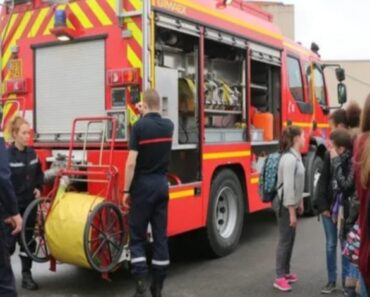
[
  {"x": 265, "y": 90},
  {"x": 177, "y": 81}
]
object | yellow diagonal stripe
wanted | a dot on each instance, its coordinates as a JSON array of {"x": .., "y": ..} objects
[
  {"x": 78, "y": 12},
  {"x": 133, "y": 117},
  {"x": 49, "y": 26},
  {"x": 6, "y": 109},
  {"x": 134, "y": 59},
  {"x": 99, "y": 12},
  {"x": 136, "y": 31},
  {"x": 10, "y": 26},
  {"x": 112, "y": 4},
  {"x": 70, "y": 25},
  {"x": 182, "y": 194},
  {"x": 138, "y": 4},
  {"x": 225, "y": 155},
  {"x": 18, "y": 33},
  {"x": 39, "y": 20}
]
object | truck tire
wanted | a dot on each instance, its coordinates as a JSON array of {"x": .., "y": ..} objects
[
  {"x": 313, "y": 178},
  {"x": 225, "y": 214}
]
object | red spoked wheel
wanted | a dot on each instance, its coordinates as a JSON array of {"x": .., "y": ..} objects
[
  {"x": 104, "y": 237},
  {"x": 33, "y": 230}
]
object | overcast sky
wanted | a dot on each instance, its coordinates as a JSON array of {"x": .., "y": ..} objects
[{"x": 340, "y": 27}]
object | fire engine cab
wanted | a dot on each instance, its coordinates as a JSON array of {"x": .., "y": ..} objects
[{"x": 227, "y": 78}]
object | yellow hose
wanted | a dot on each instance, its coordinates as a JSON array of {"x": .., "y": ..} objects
[{"x": 65, "y": 226}]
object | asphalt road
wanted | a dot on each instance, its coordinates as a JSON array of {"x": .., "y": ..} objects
[{"x": 249, "y": 271}]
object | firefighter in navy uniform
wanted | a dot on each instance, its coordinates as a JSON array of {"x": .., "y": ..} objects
[
  {"x": 146, "y": 193},
  {"x": 27, "y": 179},
  {"x": 9, "y": 215}
]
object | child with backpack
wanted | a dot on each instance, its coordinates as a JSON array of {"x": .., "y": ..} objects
[
  {"x": 345, "y": 206},
  {"x": 288, "y": 202}
]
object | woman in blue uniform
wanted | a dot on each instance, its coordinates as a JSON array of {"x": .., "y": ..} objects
[{"x": 27, "y": 179}]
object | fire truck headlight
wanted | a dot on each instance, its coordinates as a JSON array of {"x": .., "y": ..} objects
[{"x": 64, "y": 38}]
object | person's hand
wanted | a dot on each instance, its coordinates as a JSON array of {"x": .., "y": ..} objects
[
  {"x": 15, "y": 222},
  {"x": 139, "y": 107},
  {"x": 333, "y": 153},
  {"x": 37, "y": 193},
  {"x": 293, "y": 221},
  {"x": 301, "y": 209},
  {"x": 326, "y": 213},
  {"x": 126, "y": 201}
]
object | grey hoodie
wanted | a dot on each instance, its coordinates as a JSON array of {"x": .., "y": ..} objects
[{"x": 291, "y": 174}]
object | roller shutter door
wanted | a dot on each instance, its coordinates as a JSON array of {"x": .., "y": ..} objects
[{"x": 70, "y": 83}]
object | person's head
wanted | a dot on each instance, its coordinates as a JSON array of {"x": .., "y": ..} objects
[
  {"x": 292, "y": 137},
  {"x": 341, "y": 140},
  {"x": 365, "y": 156},
  {"x": 353, "y": 111},
  {"x": 338, "y": 119},
  {"x": 19, "y": 130},
  {"x": 151, "y": 101}
]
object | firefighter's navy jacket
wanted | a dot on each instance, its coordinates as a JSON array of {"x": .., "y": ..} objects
[
  {"x": 8, "y": 199},
  {"x": 26, "y": 174}
]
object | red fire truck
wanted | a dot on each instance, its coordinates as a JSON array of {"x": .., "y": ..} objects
[{"x": 227, "y": 78}]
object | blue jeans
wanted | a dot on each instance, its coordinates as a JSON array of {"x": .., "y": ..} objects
[
  {"x": 363, "y": 289},
  {"x": 331, "y": 234},
  {"x": 354, "y": 273}
]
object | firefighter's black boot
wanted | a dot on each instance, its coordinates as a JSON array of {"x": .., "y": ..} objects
[
  {"x": 27, "y": 281},
  {"x": 141, "y": 287},
  {"x": 157, "y": 285}
]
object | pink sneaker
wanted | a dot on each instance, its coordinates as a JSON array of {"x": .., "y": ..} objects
[
  {"x": 291, "y": 278},
  {"x": 282, "y": 284}
]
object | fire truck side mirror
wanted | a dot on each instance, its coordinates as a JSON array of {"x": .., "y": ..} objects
[
  {"x": 342, "y": 93},
  {"x": 340, "y": 74}
]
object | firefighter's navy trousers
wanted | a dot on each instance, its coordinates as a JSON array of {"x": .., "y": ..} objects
[
  {"x": 149, "y": 203},
  {"x": 7, "y": 283}
]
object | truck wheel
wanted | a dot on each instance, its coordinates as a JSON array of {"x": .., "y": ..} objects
[
  {"x": 313, "y": 179},
  {"x": 225, "y": 214}
]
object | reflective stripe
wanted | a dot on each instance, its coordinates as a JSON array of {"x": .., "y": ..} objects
[
  {"x": 155, "y": 140},
  {"x": 138, "y": 260},
  {"x": 15, "y": 165},
  {"x": 161, "y": 263},
  {"x": 34, "y": 161},
  {"x": 23, "y": 254}
]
